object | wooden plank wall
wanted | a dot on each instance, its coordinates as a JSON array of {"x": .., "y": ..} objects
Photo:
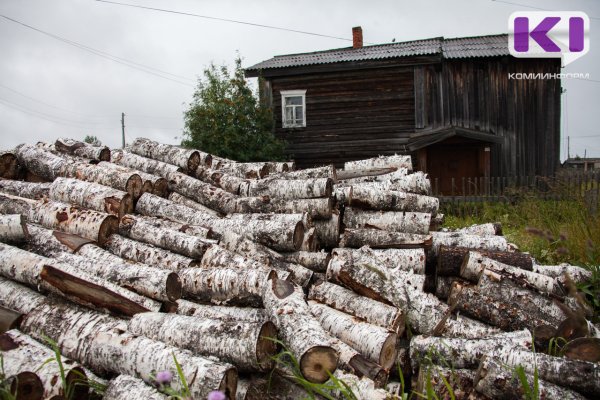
[
  {"x": 477, "y": 94},
  {"x": 349, "y": 114}
]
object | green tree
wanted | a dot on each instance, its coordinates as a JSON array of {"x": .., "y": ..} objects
[
  {"x": 93, "y": 140},
  {"x": 225, "y": 118}
]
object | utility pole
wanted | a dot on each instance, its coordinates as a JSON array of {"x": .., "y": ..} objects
[
  {"x": 568, "y": 147},
  {"x": 123, "y": 127}
]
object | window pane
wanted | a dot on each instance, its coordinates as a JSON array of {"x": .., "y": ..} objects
[
  {"x": 289, "y": 115},
  {"x": 299, "y": 115},
  {"x": 293, "y": 100}
]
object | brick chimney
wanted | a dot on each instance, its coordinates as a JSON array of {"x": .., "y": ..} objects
[{"x": 357, "y": 42}]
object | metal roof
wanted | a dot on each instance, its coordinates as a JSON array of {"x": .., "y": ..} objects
[{"x": 479, "y": 46}]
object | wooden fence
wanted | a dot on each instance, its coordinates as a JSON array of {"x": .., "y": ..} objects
[{"x": 566, "y": 185}]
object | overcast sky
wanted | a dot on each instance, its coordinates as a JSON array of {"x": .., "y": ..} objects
[{"x": 50, "y": 88}]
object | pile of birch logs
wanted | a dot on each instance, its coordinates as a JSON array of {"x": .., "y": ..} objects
[{"x": 127, "y": 259}]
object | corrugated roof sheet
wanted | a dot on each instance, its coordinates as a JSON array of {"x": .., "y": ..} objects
[{"x": 480, "y": 46}]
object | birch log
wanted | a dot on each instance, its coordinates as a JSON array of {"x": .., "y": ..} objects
[
  {"x": 18, "y": 297},
  {"x": 101, "y": 342},
  {"x": 328, "y": 231},
  {"x": 396, "y": 161},
  {"x": 27, "y": 383},
  {"x": 249, "y": 346},
  {"x": 395, "y": 221},
  {"x": 245, "y": 170},
  {"x": 82, "y": 149},
  {"x": 187, "y": 159},
  {"x": 299, "y": 330},
  {"x": 450, "y": 259},
  {"x": 13, "y": 228},
  {"x": 321, "y": 209},
  {"x": 28, "y": 354},
  {"x": 315, "y": 261},
  {"x": 310, "y": 242},
  {"x": 106, "y": 175},
  {"x": 576, "y": 274},
  {"x": 217, "y": 256},
  {"x": 271, "y": 388},
  {"x": 351, "y": 360},
  {"x": 15, "y": 205},
  {"x": 311, "y": 173},
  {"x": 155, "y": 206},
  {"x": 186, "y": 201},
  {"x": 387, "y": 175},
  {"x": 460, "y": 383},
  {"x": 244, "y": 314},
  {"x": 158, "y": 284},
  {"x": 291, "y": 189},
  {"x": 89, "y": 224},
  {"x": 497, "y": 381},
  {"x": 488, "y": 229},
  {"x": 464, "y": 353},
  {"x": 91, "y": 195},
  {"x": 49, "y": 243},
  {"x": 374, "y": 342},
  {"x": 378, "y": 239},
  {"x": 221, "y": 179},
  {"x": 148, "y": 254},
  {"x": 148, "y": 180},
  {"x": 392, "y": 200},
  {"x": 505, "y": 314},
  {"x": 147, "y": 165},
  {"x": 417, "y": 182},
  {"x": 230, "y": 286},
  {"x": 369, "y": 310},
  {"x": 474, "y": 264},
  {"x": 458, "y": 239},
  {"x": 69, "y": 282},
  {"x": 9, "y": 168},
  {"x": 29, "y": 190},
  {"x": 144, "y": 230},
  {"x": 363, "y": 388},
  {"x": 40, "y": 162},
  {"x": 366, "y": 173},
  {"x": 125, "y": 387}
]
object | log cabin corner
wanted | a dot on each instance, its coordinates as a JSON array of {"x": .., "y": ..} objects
[{"x": 450, "y": 103}]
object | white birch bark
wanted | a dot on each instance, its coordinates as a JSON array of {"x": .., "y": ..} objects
[
  {"x": 29, "y": 190},
  {"x": 82, "y": 149},
  {"x": 314, "y": 260},
  {"x": 15, "y": 205},
  {"x": 417, "y": 182},
  {"x": 17, "y": 297},
  {"x": 577, "y": 274},
  {"x": 395, "y": 221},
  {"x": 89, "y": 224},
  {"x": 158, "y": 284},
  {"x": 328, "y": 230},
  {"x": 40, "y": 162},
  {"x": 344, "y": 175},
  {"x": 155, "y": 206},
  {"x": 437, "y": 221},
  {"x": 187, "y": 159},
  {"x": 225, "y": 286},
  {"x": 342, "y": 195},
  {"x": 374, "y": 342},
  {"x": 13, "y": 228},
  {"x": 147, "y": 165},
  {"x": 450, "y": 259},
  {"x": 321, "y": 209},
  {"x": 464, "y": 353},
  {"x": 221, "y": 179},
  {"x": 249, "y": 346},
  {"x": 191, "y": 230},
  {"x": 363, "y": 388},
  {"x": 217, "y": 256},
  {"x": 148, "y": 254},
  {"x": 488, "y": 229},
  {"x": 291, "y": 188},
  {"x": 147, "y": 180},
  {"x": 397, "y": 161},
  {"x": 369, "y": 310},
  {"x": 245, "y": 314},
  {"x": 143, "y": 230},
  {"x": 126, "y": 387},
  {"x": 245, "y": 170},
  {"x": 377, "y": 239},
  {"x": 299, "y": 330},
  {"x": 186, "y": 201},
  {"x": 459, "y": 381},
  {"x": 458, "y": 239},
  {"x": 392, "y": 200},
  {"x": 496, "y": 380},
  {"x": 31, "y": 355},
  {"x": 354, "y": 362},
  {"x": 474, "y": 265},
  {"x": 49, "y": 243},
  {"x": 81, "y": 287},
  {"x": 310, "y": 173},
  {"x": 390, "y": 175},
  {"x": 91, "y": 195},
  {"x": 310, "y": 241},
  {"x": 104, "y": 174},
  {"x": 9, "y": 168}
]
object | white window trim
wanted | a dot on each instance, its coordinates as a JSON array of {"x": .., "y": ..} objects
[{"x": 290, "y": 93}]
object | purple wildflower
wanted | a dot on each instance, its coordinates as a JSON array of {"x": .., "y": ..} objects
[
  {"x": 216, "y": 395},
  {"x": 164, "y": 377}
]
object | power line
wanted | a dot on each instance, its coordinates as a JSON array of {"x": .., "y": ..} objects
[
  {"x": 132, "y": 64},
  {"x": 585, "y": 137},
  {"x": 527, "y": 6},
  {"x": 234, "y": 21}
]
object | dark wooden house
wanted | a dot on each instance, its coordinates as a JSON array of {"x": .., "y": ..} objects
[{"x": 450, "y": 103}]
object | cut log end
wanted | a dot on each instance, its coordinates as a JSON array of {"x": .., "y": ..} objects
[
  {"x": 104, "y": 154},
  {"x": 134, "y": 186},
  {"x": 27, "y": 386},
  {"x": 109, "y": 226},
  {"x": 583, "y": 349},
  {"x": 388, "y": 354},
  {"x": 229, "y": 383},
  {"x": 266, "y": 347},
  {"x": 364, "y": 367},
  {"x": 174, "y": 287},
  {"x": 317, "y": 363},
  {"x": 298, "y": 235},
  {"x": 77, "y": 379},
  {"x": 193, "y": 161}
]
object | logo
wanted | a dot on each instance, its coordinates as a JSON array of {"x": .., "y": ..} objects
[{"x": 545, "y": 34}]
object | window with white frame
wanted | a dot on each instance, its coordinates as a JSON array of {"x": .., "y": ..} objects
[{"x": 293, "y": 108}]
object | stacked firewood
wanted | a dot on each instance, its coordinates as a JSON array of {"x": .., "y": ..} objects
[{"x": 129, "y": 259}]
